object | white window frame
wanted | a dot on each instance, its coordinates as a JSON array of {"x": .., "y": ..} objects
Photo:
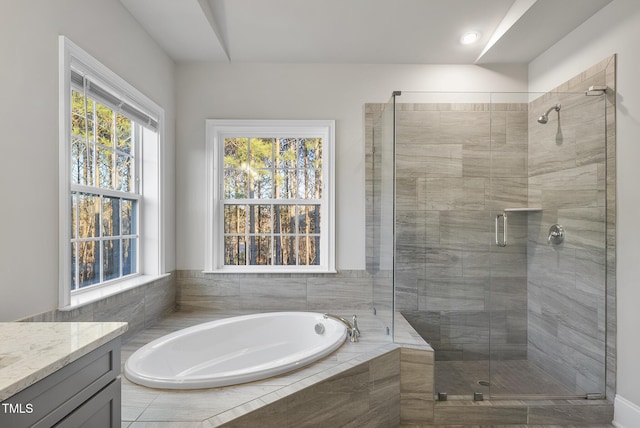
[
  {"x": 151, "y": 241},
  {"x": 219, "y": 129}
]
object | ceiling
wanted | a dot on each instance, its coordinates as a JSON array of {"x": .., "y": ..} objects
[{"x": 359, "y": 31}]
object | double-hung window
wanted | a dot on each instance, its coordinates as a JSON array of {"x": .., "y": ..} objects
[
  {"x": 108, "y": 132},
  {"x": 270, "y": 196}
]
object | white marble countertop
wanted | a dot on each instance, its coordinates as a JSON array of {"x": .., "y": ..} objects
[{"x": 30, "y": 351}]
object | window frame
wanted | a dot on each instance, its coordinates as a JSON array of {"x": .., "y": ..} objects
[
  {"x": 219, "y": 129},
  {"x": 101, "y": 193},
  {"x": 149, "y": 186}
]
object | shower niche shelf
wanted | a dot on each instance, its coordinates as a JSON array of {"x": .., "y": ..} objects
[
  {"x": 503, "y": 242},
  {"x": 522, "y": 210}
]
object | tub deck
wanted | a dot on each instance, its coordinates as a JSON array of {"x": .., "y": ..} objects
[{"x": 146, "y": 407}]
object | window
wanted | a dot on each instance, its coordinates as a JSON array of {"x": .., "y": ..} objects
[
  {"x": 270, "y": 196},
  {"x": 108, "y": 132}
]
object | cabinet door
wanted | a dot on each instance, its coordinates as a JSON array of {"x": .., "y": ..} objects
[{"x": 101, "y": 411}]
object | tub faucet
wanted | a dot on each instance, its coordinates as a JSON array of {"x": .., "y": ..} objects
[
  {"x": 356, "y": 330},
  {"x": 352, "y": 329}
]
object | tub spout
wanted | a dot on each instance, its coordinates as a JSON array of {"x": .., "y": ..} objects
[
  {"x": 356, "y": 330},
  {"x": 352, "y": 329}
]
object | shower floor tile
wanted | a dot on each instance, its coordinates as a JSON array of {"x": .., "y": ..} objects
[{"x": 512, "y": 377}]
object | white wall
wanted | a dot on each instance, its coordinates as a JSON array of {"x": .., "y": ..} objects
[
  {"x": 29, "y": 32},
  {"x": 615, "y": 29},
  {"x": 302, "y": 91}
]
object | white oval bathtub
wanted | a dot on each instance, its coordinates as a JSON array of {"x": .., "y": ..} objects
[{"x": 234, "y": 350}]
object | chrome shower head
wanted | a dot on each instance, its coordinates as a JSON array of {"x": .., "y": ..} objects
[{"x": 545, "y": 117}]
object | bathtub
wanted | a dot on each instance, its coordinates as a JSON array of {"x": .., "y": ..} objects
[{"x": 235, "y": 350}]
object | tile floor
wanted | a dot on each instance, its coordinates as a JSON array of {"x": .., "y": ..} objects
[{"x": 512, "y": 377}]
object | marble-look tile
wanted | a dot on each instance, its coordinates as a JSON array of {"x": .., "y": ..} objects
[
  {"x": 509, "y": 161},
  {"x": 354, "y": 294},
  {"x": 340, "y": 399},
  {"x": 206, "y": 294},
  {"x": 417, "y": 127},
  {"x": 416, "y": 386},
  {"x": 450, "y": 412},
  {"x": 443, "y": 194},
  {"x": 444, "y": 261},
  {"x": 516, "y": 129},
  {"x": 273, "y": 415},
  {"x": 450, "y": 294},
  {"x": 506, "y": 293},
  {"x": 415, "y": 409},
  {"x": 509, "y": 192},
  {"x": 269, "y": 294},
  {"x": 585, "y": 227},
  {"x": 416, "y": 373},
  {"x": 81, "y": 314},
  {"x": 465, "y": 127},
  {"x": 476, "y": 160},
  {"x": 430, "y": 160},
  {"x": 571, "y": 414},
  {"x": 159, "y": 299},
  {"x": 127, "y": 307}
]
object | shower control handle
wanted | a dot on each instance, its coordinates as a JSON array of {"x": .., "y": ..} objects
[{"x": 556, "y": 234}]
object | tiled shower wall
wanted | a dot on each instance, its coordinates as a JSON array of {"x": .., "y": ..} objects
[{"x": 572, "y": 177}]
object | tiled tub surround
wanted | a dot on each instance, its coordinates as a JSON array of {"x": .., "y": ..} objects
[
  {"x": 370, "y": 383},
  {"x": 140, "y": 307},
  {"x": 349, "y": 290}
]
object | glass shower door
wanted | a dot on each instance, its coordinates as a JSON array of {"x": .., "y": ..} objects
[{"x": 443, "y": 226}]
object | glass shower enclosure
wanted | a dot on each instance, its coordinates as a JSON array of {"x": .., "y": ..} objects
[{"x": 488, "y": 235}]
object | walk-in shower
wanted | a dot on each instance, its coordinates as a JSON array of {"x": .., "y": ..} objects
[
  {"x": 545, "y": 117},
  {"x": 527, "y": 319}
]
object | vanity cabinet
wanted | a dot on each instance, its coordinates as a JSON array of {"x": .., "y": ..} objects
[{"x": 83, "y": 393}]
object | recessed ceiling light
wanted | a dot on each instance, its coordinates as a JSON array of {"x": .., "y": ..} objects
[{"x": 470, "y": 37}]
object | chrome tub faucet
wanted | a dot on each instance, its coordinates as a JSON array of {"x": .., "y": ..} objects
[{"x": 352, "y": 329}]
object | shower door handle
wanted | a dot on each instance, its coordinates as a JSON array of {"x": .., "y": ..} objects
[{"x": 504, "y": 230}]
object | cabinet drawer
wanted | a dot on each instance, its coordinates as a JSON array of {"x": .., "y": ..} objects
[
  {"x": 55, "y": 396},
  {"x": 102, "y": 411}
]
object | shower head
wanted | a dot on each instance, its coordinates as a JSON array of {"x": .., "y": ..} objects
[{"x": 545, "y": 117}]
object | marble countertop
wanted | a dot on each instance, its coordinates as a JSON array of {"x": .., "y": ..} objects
[{"x": 30, "y": 351}]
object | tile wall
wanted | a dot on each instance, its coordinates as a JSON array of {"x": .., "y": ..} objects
[
  {"x": 342, "y": 291},
  {"x": 570, "y": 176},
  {"x": 141, "y": 307}
]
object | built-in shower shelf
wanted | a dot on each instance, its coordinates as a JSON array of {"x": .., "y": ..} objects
[{"x": 522, "y": 210}]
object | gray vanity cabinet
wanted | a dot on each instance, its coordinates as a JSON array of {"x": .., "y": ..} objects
[{"x": 84, "y": 393}]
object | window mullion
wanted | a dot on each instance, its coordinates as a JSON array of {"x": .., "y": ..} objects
[
  {"x": 114, "y": 156},
  {"x": 100, "y": 241},
  {"x": 105, "y": 192},
  {"x": 76, "y": 245}
]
